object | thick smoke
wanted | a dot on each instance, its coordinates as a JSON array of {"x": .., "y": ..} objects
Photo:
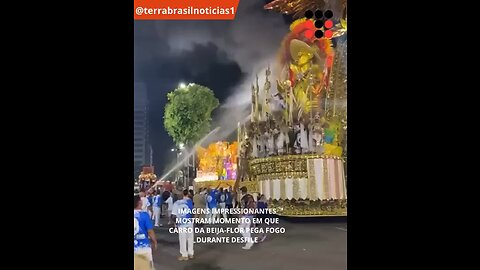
[
  {"x": 167, "y": 52},
  {"x": 251, "y": 40}
]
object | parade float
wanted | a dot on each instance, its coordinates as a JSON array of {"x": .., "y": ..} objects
[
  {"x": 147, "y": 178},
  {"x": 293, "y": 148},
  {"x": 149, "y": 181},
  {"x": 217, "y": 165}
]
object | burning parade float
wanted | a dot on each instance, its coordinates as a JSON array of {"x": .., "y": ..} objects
[
  {"x": 217, "y": 165},
  {"x": 293, "y": 148}
]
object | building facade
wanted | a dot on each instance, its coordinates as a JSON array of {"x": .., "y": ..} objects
[{"x": 142, "y": 153}]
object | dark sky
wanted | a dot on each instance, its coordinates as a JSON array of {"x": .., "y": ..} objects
[{"x": 222, "y": 55}]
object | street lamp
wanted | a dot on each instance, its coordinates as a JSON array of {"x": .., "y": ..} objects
[
  {"x": 182, "y": 85},
  {"x": 172, "y": 149}
]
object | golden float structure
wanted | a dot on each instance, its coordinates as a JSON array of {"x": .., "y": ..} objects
[
  {"x": 300, "y": 185},
  {"x": 293, "y": 148}
]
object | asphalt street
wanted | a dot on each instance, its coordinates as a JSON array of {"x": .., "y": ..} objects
[{"x": 308, "y": 243}]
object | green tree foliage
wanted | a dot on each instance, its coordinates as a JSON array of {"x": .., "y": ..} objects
[{"x": 188, "y": 113}]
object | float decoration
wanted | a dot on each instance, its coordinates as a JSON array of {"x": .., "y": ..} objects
[
  {"x": 292, "y": 149},
  {"x": 297, "y": 8},
  {"x": 147, "y": 177}
]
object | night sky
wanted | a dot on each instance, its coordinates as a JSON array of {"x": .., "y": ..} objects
[{"x": 222, "y": 55}]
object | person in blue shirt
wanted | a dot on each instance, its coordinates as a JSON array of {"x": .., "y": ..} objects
[
  {"x": 212, "y": 195},
  {"x": 228, "y": 199},
  {"x": 143, "y": 235},
  {"x": 222, "y": 198},
  {"x": 157, "y": 205},
  {"x": 182, "y": 210}
]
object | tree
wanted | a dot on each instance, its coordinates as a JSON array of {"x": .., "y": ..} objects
[{"x": 188, "y": 113}]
